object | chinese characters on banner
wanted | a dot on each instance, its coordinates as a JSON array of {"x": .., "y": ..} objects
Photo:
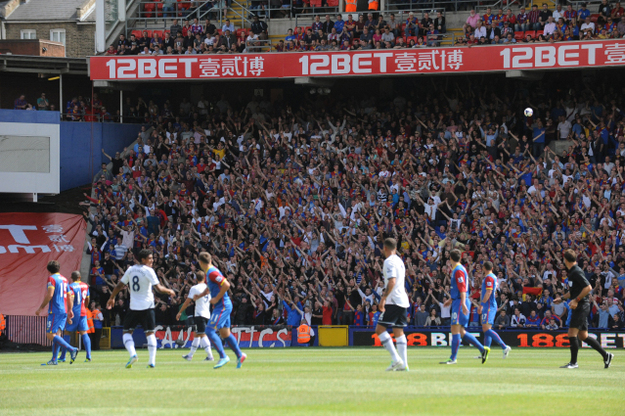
[
  {"x": 28, "y": 241},
  {"x": 518, "y": 56}
]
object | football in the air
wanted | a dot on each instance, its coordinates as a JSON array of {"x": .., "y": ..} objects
[{"x": 528, "y": 112}]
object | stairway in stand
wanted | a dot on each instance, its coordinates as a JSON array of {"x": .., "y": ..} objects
[{"x": 236, "y": 12}]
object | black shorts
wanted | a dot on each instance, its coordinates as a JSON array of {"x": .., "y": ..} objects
[
  {"x": 579, "y": 316},
  {"x": 199, "y": 322},
  {"x": 145, "y": 318},
  {"x": 394, "y": 316}
]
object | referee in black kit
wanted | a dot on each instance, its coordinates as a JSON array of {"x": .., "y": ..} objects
[{"x": 579, "y": 289}]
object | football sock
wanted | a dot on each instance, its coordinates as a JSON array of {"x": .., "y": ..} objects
[
  {"x": 490, "y": 334},
  {"x": 60, "y": 341},
  {"x": 55, "y": 350},
  {"x": 194, "y": 345},
  {"x": 472, "y": 340},
  {"x": 455, "y": 344},
  {"x": 129, "y": 343},
  {"x": 212, "y": 335},
  {"x": 205, "y": 343},
  {"x": 402, "y": 349},
  {"x": 152, "y": 348},
  {"x": 487, "y": 339},
  {"x": 86, "y": 341},
  {"x": 574, "y": 349},
  {"x": 232, "y": 342},
  {"x": 595, "y": 344},
  {"x": 387, "y": 342},
  {"x": 63, "y": 351}
]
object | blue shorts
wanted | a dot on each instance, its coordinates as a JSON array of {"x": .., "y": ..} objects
[
  {"x": 220, "y": 318},
  {"x": 488, "y": 315},
  {"x": 78, "y": 324},
  {"x": 56, "y": 322},
  {"x": 457, "y": 317}
]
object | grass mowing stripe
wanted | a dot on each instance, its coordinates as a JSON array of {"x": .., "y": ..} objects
[{"x": 302, "y": 381}]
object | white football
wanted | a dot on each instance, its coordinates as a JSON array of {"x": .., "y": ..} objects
[{"x": 528, "y": 112}]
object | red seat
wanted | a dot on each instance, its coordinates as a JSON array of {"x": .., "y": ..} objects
[
  {"x": 519, "y": 35},
  {"x": 137, "y": 33},
  {"x": 240, "y": 31},
  {"x": 315, "y": 3},
  {"x": 159, "y": 7},
  {"x": 594, "y": 17},
  {"x": 219, "y": 31},
  {"x": 333, "y": 3},
  {"x": 149, "y": 33},
  {"x": 157, "y": 32},
  {"x": 307, "y": 27},
  {"x": 532, "y": 33},
  {"x": 166, "y": 31},
  {"x": 148, "y": 10}
]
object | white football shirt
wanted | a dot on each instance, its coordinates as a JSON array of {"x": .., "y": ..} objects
[
  {"x": 394, "y": 268},
  {"x": 140, "y": 279},
  {"x": 202, "y": 305}
]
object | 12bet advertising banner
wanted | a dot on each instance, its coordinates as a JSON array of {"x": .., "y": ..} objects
[
  {"x": 513, "y": 338},
  {"x": 377, "y": 62}
]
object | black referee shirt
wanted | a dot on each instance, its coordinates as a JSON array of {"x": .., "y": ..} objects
[{"x": 577, "y": 282}]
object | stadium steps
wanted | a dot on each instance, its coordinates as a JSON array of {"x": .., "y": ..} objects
[{"x": 452, "y": 34}]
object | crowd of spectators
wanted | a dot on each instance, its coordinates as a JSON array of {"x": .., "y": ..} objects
[
  {"x": 293, "y": 200},
  {"x": 545, "y": 25},
  {"x": 41, "y": 104},
  {"x": 79, "y": 108},
  {"x": 192, "y": 38},
  {"x": 365, "y": 32}
]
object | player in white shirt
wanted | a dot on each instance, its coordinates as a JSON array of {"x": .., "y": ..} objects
[
  {"x": 200, "y": 319},
  {"x": 394, "y": 307},
  {"x": 140, "y": 279}
]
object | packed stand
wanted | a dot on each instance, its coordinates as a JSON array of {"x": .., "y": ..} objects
[
  {"x": 294, "y": 200},
  {"x": 193, "y": 38},
  {"x": 365, "y": 32},
  {"x": 544, "y": 25}
]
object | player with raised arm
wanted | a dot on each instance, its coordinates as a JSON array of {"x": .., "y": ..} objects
[
  {"x": 60, "y": 312},
  {"x": 460, "y": 305},
  {"x": 488, "y": 309},
  {"x": 81, "y": 298},
  {"x": 218, "y": 287},
  {"x": 579, "y": 289},
  {"x": 394, "y": 307},
  {"x": 140, "y": 279},
  {"x": 201, "y": 316}
]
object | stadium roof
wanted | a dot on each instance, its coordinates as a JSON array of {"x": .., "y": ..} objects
[
  {"x": 46, "y": 10},
  {"x": 43, "y": 65}
]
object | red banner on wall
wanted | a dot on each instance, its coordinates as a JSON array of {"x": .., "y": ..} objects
[
  {"x": 518, "y": 56},
  {"x": 28, "y": 241}
]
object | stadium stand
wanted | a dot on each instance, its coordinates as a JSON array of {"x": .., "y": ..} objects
[{"x": 295, "y": 197}]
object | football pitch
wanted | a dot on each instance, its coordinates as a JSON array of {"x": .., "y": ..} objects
[{"x": 314, "y": 381}]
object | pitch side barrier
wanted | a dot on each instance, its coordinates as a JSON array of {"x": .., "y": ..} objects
[{"x": 282, "y": 336}]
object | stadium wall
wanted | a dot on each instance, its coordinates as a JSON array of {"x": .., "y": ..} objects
[
  {"x": 81, "y": 143},
  {"x": 81, "y": 148}
]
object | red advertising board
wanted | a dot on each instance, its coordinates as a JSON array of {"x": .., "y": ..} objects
[
  {"x": 535, "y": 56},
  {"x": 28, "y": 241}
]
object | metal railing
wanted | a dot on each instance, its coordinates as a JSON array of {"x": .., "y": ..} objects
[
  {"x": 258, "y": 45},
  {"x": 242, "y": 14}
]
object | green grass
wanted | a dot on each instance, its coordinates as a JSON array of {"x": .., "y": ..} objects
[{"x": 315, "y": 381}]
